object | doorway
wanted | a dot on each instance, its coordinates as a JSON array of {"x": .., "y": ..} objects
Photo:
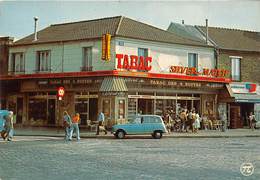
[
  {"x": 235, "y": 117},
  {"x": 19, "y": 117},
  {"x": 145, "y": 106},
  {"x": 51, "y": 111}
]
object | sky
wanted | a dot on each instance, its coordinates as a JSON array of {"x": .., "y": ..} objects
[{"x": 16, "y": 17}]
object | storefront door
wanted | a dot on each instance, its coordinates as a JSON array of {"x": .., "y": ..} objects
[
  {"x": 51, "y": 111},
  {"x": 19, "y": 117},
  {"x": 235, "y": 119}
]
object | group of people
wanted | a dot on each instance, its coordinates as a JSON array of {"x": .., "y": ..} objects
[
  {"x": 8, "y": 131},
  {"x": 186, "y": 120},
  {"x": 71, "y": 125}
]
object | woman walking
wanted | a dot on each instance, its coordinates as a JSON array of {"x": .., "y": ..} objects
[
  {"x": 67, "y": 125},
  {"x": 75, "y": 126}
]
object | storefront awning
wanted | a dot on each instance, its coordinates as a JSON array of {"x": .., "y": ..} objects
[
  {"x": 251, "y": 98},
  {"x": 241, "y": 92},
  {"x": 113, "y": 84}
]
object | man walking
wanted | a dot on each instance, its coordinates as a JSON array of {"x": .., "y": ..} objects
[{"x": 100, "y": 126}]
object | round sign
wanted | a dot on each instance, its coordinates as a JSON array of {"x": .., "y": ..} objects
[{"x": 61, "y": 91}]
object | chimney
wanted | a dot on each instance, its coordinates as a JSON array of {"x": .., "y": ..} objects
[
  {"x": 35, "y": 28},
  {"x": 182, "y": 21},
  {"x": 207, "y": 31}
]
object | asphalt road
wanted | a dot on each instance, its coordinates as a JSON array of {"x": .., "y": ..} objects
[{"x": 33, "y": 158}]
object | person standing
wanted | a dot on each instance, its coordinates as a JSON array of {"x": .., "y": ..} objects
[
  {"x": 9, "y": 125},
  {"x": 67, "y": 125},
  {"x": 101, "y": 120},
  {"x": 75, "y": 126},
  {"x": 252, "y": 120}
]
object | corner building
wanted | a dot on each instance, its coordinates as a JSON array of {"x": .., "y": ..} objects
[{"x": 135, "y": 75}]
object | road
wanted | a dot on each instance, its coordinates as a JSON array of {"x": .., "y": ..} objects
[{"x": 33, "y": 158}]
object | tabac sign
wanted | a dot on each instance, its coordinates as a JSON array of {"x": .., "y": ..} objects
[
  {"x": 133, "y": 62},
  {"x": 194, "y": 71}
]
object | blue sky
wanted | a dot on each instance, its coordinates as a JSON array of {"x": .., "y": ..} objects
[{"x": 16, "y": 17}]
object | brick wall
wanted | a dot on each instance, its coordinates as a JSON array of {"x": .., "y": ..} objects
[{"x": 250, "y": 64}]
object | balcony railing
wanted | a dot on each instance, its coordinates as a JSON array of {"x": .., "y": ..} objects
[{"x": 86, "y": 68}]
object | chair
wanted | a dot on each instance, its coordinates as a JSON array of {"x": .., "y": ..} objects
[{"x": 91, "y": 125}]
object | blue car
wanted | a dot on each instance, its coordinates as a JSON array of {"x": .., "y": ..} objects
[{"x": 142, "y": 124}]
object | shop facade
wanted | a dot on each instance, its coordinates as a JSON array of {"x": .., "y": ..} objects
[{"x": 123, "y": 74}]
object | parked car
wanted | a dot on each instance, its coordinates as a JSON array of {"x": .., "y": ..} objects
[{"x": 142, "y": 124}]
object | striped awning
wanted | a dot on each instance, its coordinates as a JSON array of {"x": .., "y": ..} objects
[{"x": 113, "y": 84}]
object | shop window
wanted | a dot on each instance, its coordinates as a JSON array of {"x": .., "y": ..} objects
[
  {"x": 43, "y": 61},
  {"x": 81, "y": 107},
  {"x": 235, "y": 69},
  {"x": 193, "y": 60},
  {"x": 132, "y": 108},
  {"x": 106, "y": 108},
  {"x": 17, "y": 62},
  {"x": 121, "y": 109},
  {"x": 37, "y": 111},
  {"x": 87, "y": 59}
]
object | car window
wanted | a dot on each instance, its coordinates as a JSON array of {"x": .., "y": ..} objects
[
  {"x": 137, "y": 120},
  {"x": 155, "y": 119},
  {"x": 146, "y": 119}
]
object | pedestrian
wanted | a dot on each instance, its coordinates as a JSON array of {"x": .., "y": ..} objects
[
  {"x": 9, "y": 125},
  {"x": 183, "y": 117},
  {"x": 197, "y": 122},
  {"x": 100, "y": 126},
  {"x": 75, "y": 126},
  {"x": 67, "y": 125},
  {"x": 252, "y": 120}
]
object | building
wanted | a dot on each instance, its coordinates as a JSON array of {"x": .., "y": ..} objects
[
  {"x": 239, "y": 52},
  {"x": 116, "y": 65},
  {"x": 5, "y": 42}
]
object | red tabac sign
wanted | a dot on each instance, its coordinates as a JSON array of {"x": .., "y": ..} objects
[
  {"x": 61, "y": 92},
  {"x": 133, "y": 62},
  {"x": 193, "y": 71}
]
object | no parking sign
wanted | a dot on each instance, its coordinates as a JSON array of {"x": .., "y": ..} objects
[{"x": 61, "y": 92}]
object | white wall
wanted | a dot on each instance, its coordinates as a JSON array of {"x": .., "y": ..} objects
[
  {"x": 166, "y": 55},
  {"x": 70, "y": 54}
]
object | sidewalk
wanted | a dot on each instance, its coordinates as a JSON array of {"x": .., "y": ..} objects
[{"x": 54, "y": 132}]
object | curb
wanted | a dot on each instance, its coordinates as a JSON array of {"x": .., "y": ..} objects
[{"x": 143, "y": 137}]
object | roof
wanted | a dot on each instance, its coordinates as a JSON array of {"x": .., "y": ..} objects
[
  {"x": 187, "y": 31},
  {"x": 233, "y": 39},
  {"x": 116, "y": 26}
]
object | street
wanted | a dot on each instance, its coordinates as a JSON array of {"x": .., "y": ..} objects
[{"x": 132, "y": 158}]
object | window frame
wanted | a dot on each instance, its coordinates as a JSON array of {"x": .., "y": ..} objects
[
  {"x": 44, "y": 66},
  {"x": 233, "y": 74},
  {"x": 197, "y": 60},
  {"x": 87, "y": 65},
  {"x": 12, "y": 65}
]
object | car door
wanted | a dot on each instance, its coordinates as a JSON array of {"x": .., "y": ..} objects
[
  {"x": 148, "y": 125},
  {"x": 136, "y": 127}
]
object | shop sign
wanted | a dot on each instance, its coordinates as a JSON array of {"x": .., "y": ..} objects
[
  {"x": 243, "y": 87},
  {"x": 194, "y": 71},
  {"x": 133, "y": 62}
]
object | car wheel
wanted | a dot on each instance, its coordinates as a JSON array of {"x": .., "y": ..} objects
[
  {"x": 157, "y": 134},
  {"x": 120, "y": 134}
]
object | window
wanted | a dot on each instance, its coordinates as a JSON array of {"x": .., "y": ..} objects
[
  {"x": 235, "y": 71},
  {"x": 121, "y": 109},
  {"x": 87, "y": 59},
  {"x": 43, "y": 60},
  {"x": 142, "y": 52},
  {"x": 193, "y": 60},
  {"x": 17, "y": 62}
]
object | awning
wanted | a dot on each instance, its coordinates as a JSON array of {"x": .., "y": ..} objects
[
  {"x": 243, "y": 95},
  {"x": 113, "y": 84},
  {"x": 250, "y": 98}
]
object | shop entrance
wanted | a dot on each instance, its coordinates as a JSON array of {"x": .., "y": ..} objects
[
  {"x": 93, "y": 109},
  {"x": 246, "y": 108},
  {"x": 235, "y": 119},
  {"x": 19, "y": 117},
  {"x": 145, "y": 106},
  {"x": 51, "y": 111}
]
